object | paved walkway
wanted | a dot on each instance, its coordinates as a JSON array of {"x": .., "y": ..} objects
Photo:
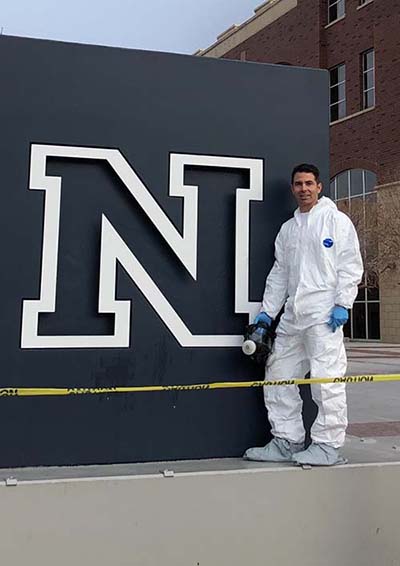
[{"x": 374, "y": 408}]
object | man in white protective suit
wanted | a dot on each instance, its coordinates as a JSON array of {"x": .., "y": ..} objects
[{"x": 317, "y": 268}]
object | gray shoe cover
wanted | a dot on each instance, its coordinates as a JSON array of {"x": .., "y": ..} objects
[
  {"x": 319, "y": 455},
  {"x": 278, "y": 450}
]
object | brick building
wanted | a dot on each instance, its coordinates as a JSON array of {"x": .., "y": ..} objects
[{"x": 358, "y": 42}]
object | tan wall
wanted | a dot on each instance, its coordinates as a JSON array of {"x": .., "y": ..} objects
[
  {"x": 347, "y": 516},
  {"x": 389, "y": 220}
]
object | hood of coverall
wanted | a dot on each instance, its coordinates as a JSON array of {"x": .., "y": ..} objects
[{"x": 320, "y": 207}]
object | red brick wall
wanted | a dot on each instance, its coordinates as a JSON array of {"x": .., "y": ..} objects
[
  {"x": 387, "y": 45},
  {"x": 372, "y": 139},
  {"x": 286, "y": 40}
]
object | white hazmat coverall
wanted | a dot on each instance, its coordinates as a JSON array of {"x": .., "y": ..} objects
[{"x": 317, "y": 265}]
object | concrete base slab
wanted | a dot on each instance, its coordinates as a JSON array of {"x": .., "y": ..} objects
[
  {"x": 379, "y": 450},
  {"x": 206, "y": 513}
]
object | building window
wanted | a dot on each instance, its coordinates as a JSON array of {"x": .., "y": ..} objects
[
  {"x": 368, "y": 78},
  {"x": 336, "y": 10},
  {"x": 337, "y": 92},
  {"x": 355, "y": 194}
]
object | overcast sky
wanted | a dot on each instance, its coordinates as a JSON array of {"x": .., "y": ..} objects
[{"x": 181, "y": 26}]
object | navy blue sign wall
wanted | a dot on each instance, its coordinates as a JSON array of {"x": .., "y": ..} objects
[{"x": 141, "y": 193}]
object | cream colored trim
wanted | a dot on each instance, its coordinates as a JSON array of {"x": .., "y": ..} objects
[
  {"x": 264, "y": 16},
  {"x": 395, "y": 184},
  {"x": 335, "y": 21},
  {"x": 363, "y": 5},
  {"x": 227, "y": 32},
  {"x": 352, "y": 116},
  {"x": 262, "y": 7}
]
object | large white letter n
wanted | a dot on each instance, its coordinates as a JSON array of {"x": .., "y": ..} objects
[{"x": 113, "y": 248}]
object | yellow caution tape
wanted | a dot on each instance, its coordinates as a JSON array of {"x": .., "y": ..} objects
[{"x": 48, "y": 391}]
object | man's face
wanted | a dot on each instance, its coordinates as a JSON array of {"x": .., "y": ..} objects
[{"x": 306, "y": 190}]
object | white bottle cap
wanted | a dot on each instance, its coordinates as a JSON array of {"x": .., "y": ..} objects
[{"x": 249, "y": 347}]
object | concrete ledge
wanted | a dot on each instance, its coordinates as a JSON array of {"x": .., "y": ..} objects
[
  {"x": 249, "y": 514},
  {"x": 350, "y": 116}
]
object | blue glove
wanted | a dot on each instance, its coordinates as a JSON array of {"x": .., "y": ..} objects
[
  {"x": 339, "y": 316},
  {"x": 263, "y": 317}
]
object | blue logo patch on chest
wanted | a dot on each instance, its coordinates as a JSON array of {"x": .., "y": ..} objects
[{"x": 328, "y": 242}]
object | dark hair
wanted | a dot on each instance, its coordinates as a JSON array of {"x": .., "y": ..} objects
[{"x": 306, "y": 168}]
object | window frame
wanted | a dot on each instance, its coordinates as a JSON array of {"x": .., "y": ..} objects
[
  {"x": 331, "y": 4},
  {"x": 331, "y": 86},
  {"x": 364, "y": 71}
]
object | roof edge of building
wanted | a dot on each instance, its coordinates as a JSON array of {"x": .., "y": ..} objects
[{"x": 264, "y": 15}]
